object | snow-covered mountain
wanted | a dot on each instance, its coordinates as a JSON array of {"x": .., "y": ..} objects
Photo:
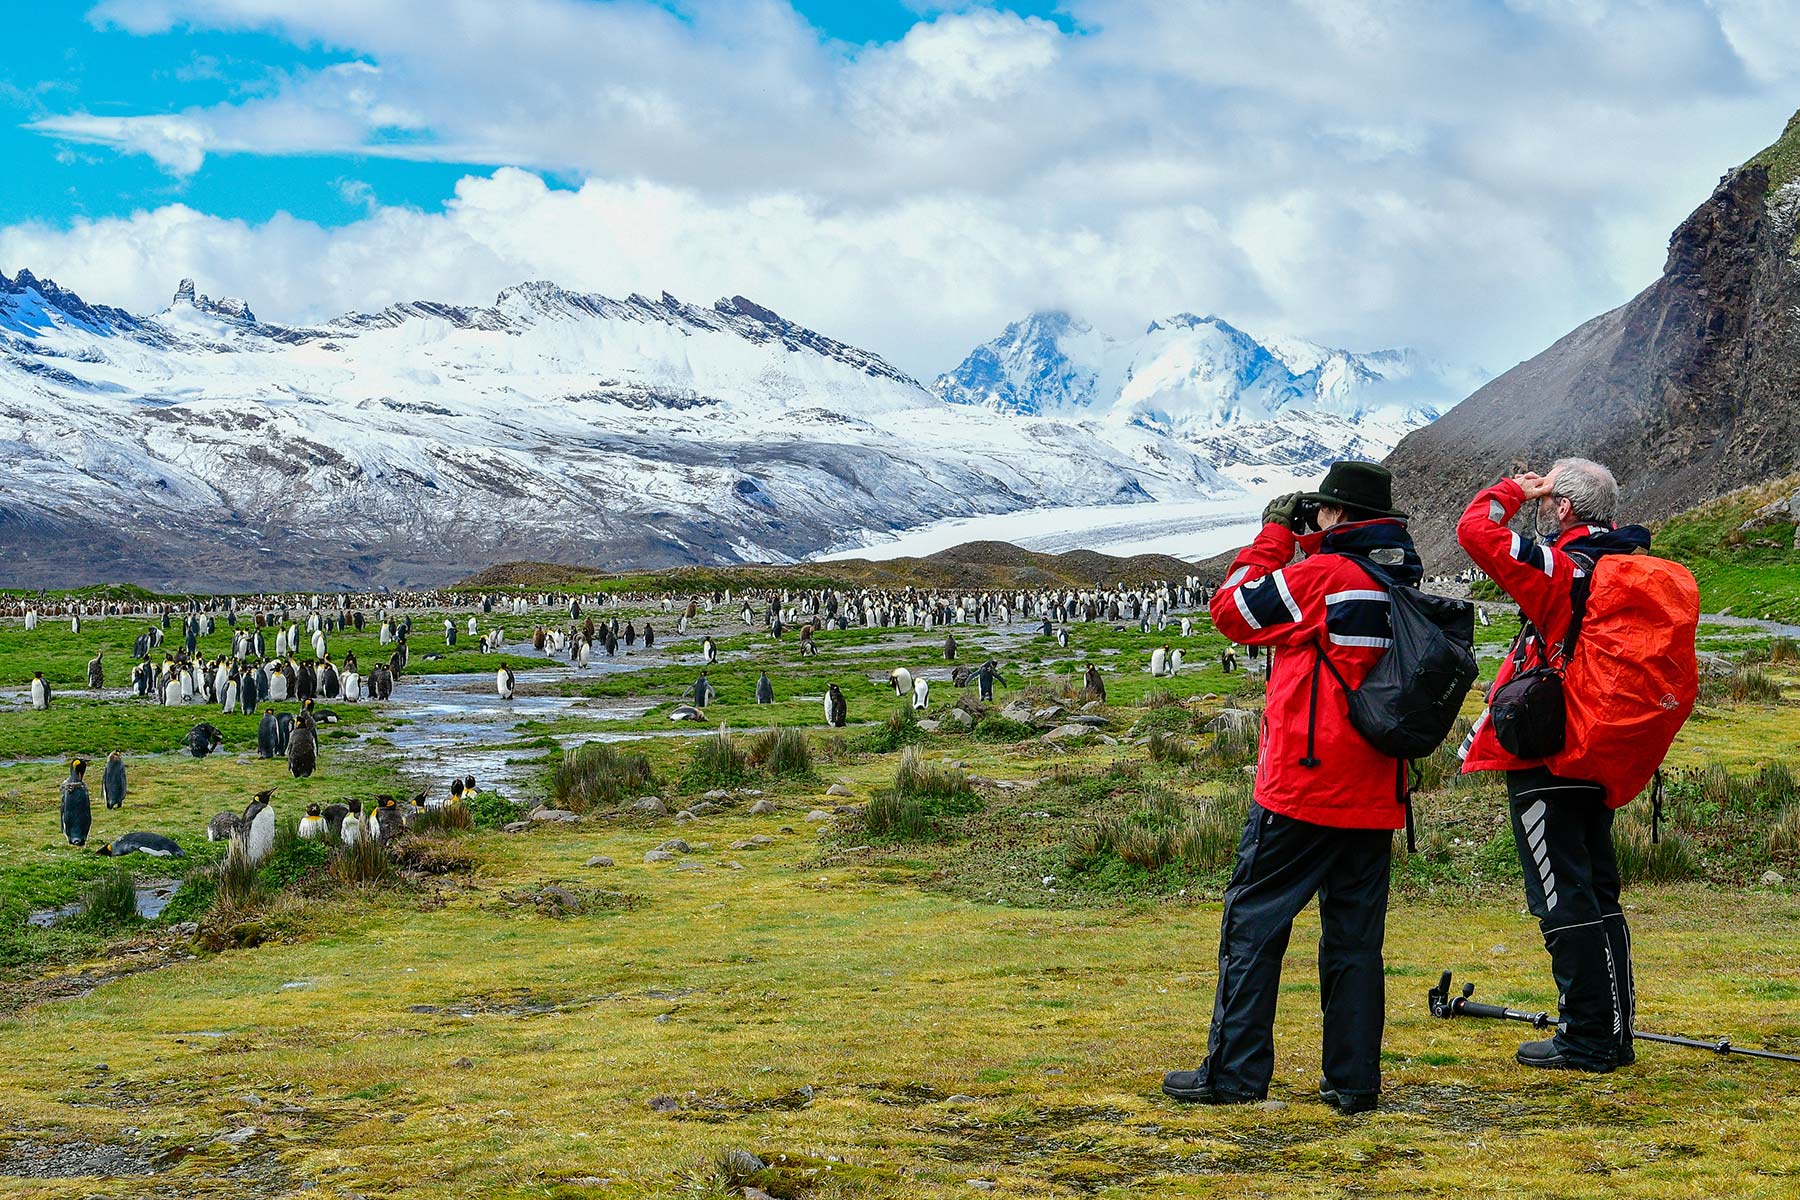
[
  {"x": 201, "y": 447},
  {"x": 1256, "y": 408}
]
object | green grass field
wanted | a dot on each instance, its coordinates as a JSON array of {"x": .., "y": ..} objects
[{"x": 979, "y": 998}]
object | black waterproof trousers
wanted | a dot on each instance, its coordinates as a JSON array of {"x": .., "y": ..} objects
[
  {"x": 1282, "y": 864},
  {"x": 1563, "y": 830}
]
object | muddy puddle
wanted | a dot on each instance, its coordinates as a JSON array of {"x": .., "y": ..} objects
[{"x": 152, "y": 897}]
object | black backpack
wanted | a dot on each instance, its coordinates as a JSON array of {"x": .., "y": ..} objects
[{"x": 1409, "y": 701}]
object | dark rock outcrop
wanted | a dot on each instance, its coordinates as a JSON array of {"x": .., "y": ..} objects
[{"x": 1690, "y": 389}]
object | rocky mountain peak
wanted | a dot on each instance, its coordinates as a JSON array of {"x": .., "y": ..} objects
[
  {"x": 230, "y": 308},
  {"x": 1689, "y": 390}
]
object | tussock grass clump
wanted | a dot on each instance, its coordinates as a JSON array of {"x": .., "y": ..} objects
[
  {"x": 450, "y": 820},
  {"x": 996, "y": 728},
  {"x": 491, "y": 810},
  {"x": 1199, "y": 833},
  {"x": 782, "y": 752},
  {"x": 363, "y": 864},
  {"x": 1784, "y": 650},
  {"x": 1784, "y": 835},
  {"x": 1161, "y": 698},
  {"x": 292, "y": 859},
  {"x": 1233, "y": 746},
  {"x": 112, "y": 900},
  {"x": 1744, "y": 685},
  {"x": 1169, "y": 748},
  {"x": 900, "y": 729},
  {"x": 595, "y": 775},
  {"x": 929, "y": 781},
  {"x": 716, "y": 761},
  {"x": 430, "y": 854},
  {"x": 789, "y": 756},
  {"x": 921, "y": 795},
  {"x": 898, "y": 818},
  {"x": 236, "y": 881},
  {"x": 1167, "y": 718},
  {"x": 1668, "y": 860}
]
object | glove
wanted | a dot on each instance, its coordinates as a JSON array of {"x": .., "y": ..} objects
[{"x": 1283, "y": 511}]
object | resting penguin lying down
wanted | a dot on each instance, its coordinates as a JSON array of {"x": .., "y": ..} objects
[{"x": 153, "y": 844}]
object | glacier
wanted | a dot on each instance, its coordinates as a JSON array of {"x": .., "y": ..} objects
[{"x": 199, "y": 447}]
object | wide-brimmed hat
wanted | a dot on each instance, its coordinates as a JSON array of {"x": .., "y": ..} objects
[{"x": 1365, "y": 486}]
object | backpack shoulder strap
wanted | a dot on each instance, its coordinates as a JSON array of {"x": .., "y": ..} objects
[{"x": 1578, "y": 600}]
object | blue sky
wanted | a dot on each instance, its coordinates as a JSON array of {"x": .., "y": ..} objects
[
  {"x": 1471, "y": 177},
  {"x": 78, "y": 64}
]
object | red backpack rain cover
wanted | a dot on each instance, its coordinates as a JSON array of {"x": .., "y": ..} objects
[{"x": 1634, "y": 676}]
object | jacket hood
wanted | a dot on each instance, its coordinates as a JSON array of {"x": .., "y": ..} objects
[
  {"x": 1597, "y": 541},
  {"x": 1386, "y": 543}
]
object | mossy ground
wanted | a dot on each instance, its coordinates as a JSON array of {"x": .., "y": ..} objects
[{"x": 898, "y": 1018}]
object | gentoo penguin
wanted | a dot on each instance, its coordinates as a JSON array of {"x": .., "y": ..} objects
[
  {"x": 1093, "y": 684},
  {"x": 921, "y": 694},
  {"x": 112, "y": 783},
  {"x": 312, "y": 825},
  {"x": 266, "y": 734},
  {"x": 224, "y": 827},
  {"x": 77, "y": 809},
  {"x": 258, "y": 828},
  {"x": 1159, "y": 659},
  {"x": 949, "y": 647},
  {"x": 140, "y": 842},
  {"x": 303, "y": 748},
  {"x": 503, "y": 682},
  {"x": 702, "y": 693},
  {"x": 900, "y": 679},
  {"x": 96, "y": 672},
  {"x": 765, "y": 691},
  {"x": 40, "y": 691},
  {"x": 1175, "y": 660},
  {"x": 990, "y": 671},
  {"x": 385, "y": 823},
  {"x": 686, "y": 712},
  {"x": 203, "y": 739},
  {"x": 836, "y": 710}
]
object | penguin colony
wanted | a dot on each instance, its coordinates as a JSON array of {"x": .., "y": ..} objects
[{"x": 268, "y": 665}]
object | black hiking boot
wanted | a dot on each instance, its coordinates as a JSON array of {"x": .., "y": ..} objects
[
  {"x": 1547, "y": 1055},
  {"x": 1347, "y": 1103},
  {"x": 1191, "y": 1087}
]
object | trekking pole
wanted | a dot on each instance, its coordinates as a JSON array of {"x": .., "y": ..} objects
[{"x": 1446, "y": 1006}]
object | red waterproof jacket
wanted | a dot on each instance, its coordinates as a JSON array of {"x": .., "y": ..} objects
[
  {"x": 1325, "y": 603},
  {"x": 1540, "y": 577}
]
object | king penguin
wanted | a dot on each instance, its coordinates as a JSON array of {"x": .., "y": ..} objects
[
  {"x": 836, "y": 710},
  {"x": 312, "y": 825},
  {"x": 112, "y": 783},
  {"x": 765, "y": 691},
  {"x": 77, "y": 809},
  {"x": 258, "y": 828}
]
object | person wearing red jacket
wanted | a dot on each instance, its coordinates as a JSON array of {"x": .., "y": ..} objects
[
  {"x": 1326, "y": 802},
  {"x": 1562, "y": 827}
]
